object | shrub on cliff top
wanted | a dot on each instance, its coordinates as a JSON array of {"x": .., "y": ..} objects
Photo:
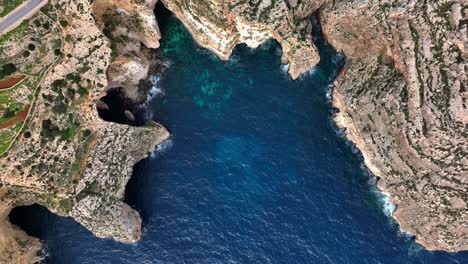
[{"x": 7, "y": 70}]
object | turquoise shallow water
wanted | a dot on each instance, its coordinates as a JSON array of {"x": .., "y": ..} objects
[{"x": 256, "y": 172}]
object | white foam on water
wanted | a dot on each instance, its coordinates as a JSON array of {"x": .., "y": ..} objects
[
  {"x": 155, "y": 89},
  {"x": 337, "y": 58},
  {"x": 383, "y": 198},
  {"x": 45, "y": 253},
  {"x": 388, "y": 206},
  {"x": 154, "y": 79},
  {"x": 308, "y": 73},
  {"x": 234, "y": 58},
  {"x": 161, "y": 148},
  {"x": 166, "y": 145},
  {"x": 329, "y": 92},
  {"x": 285, "y": 68},
  {"x": 279, "y": 51}
]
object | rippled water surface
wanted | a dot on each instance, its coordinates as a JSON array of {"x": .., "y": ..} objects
[{"x": 257, "y": 173}]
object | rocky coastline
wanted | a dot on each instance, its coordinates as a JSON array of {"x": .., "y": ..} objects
[
  {"x": 66, "y": 157},
  {"x": 401, "y": 95},
  {"x": 401, "y": 99}
]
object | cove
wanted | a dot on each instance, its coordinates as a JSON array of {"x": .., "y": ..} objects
[{"x": 257, "y": 173}]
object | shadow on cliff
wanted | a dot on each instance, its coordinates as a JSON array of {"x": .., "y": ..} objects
[{"x": 115, "y": 107}]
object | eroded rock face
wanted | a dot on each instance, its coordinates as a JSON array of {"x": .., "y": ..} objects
[
  {"x": 71, "y": 161},
  {"x": 115, "y": 219},
  {"x": 403, "y": 101},
  {"x": 129, "y": 20},
  {"x": 128, "y": 24},
  {"x": 219, "y": 25},
  {"x": 15, "y": 245},
  {"x": 402, "y": 98},
  {"x": 402, "y": 94}
]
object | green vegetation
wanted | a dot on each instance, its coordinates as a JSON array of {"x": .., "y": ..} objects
[
  {"x": 7, "y": 69},
  {"x": 66, "y": 205},
  {"x": 34, "y": 61},
  {"x": 80, "y": 154},
  {"x": 9, "y": 5},
  {"x": 9, "y": 108},
  {"x": 5, "y": 138},
  {"x": 70, "y": 132},
  {"x": 20, "y": 30},
  {"x": 73, "y": 77},
  {"x": 10, "y": 112},
  {"x": 8, "y": 135},
  {"x": 110, "y": 24},
  {"x": 49, "y": 11},
  {"x": 63, "y": 23},
  {"x": 51, "y": 131}
]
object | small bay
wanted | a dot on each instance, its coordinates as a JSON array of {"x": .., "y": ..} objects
[{"x": 256, "y": 172}]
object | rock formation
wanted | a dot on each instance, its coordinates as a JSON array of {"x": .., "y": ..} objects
[
  {"x": 128, "y": 24},
  {"x": 15, "y": 245},
  {"x": 219, "y": 25},
  {"x": 402, "y": 99},
  {"x": 66, "y": 157},
  {"x": 401, "y": 95}
]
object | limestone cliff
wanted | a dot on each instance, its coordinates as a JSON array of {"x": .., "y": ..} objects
[
  {"x": 219, "y": 25},
  {"x": 402, "y": 94},
  {"x": 402, "y": 99},
  {"x": 15, "y": 245},
  {"x": 128, "y": 24},
  {"x": 65, "y": 157}
]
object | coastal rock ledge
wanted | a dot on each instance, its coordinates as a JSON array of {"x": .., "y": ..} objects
[{"x": 401, "y": 95}]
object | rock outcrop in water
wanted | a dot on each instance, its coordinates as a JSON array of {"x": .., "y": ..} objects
[{"x": 403, "y": 100}]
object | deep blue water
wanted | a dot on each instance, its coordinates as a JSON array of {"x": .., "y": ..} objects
[{"x": 257, "y": 173}]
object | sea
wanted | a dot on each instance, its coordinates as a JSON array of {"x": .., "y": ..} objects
[{"x": 255, "y": 171}]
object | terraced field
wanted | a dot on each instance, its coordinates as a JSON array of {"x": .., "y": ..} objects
[{"x": 26, "y": 53}]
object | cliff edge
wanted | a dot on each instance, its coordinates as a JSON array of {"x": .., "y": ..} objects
[
  {"x": 62, "y": 155},
  {"x": 401, "y": 96},
  {"x": 403, "y": 101},
  {"x": 220, "y": 25}
]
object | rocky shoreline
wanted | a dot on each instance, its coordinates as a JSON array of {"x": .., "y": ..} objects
[
  {"x": 402, "y": 100},
  {"x": 401, "y": 95},
  {"x": 67, "y": 158}
]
